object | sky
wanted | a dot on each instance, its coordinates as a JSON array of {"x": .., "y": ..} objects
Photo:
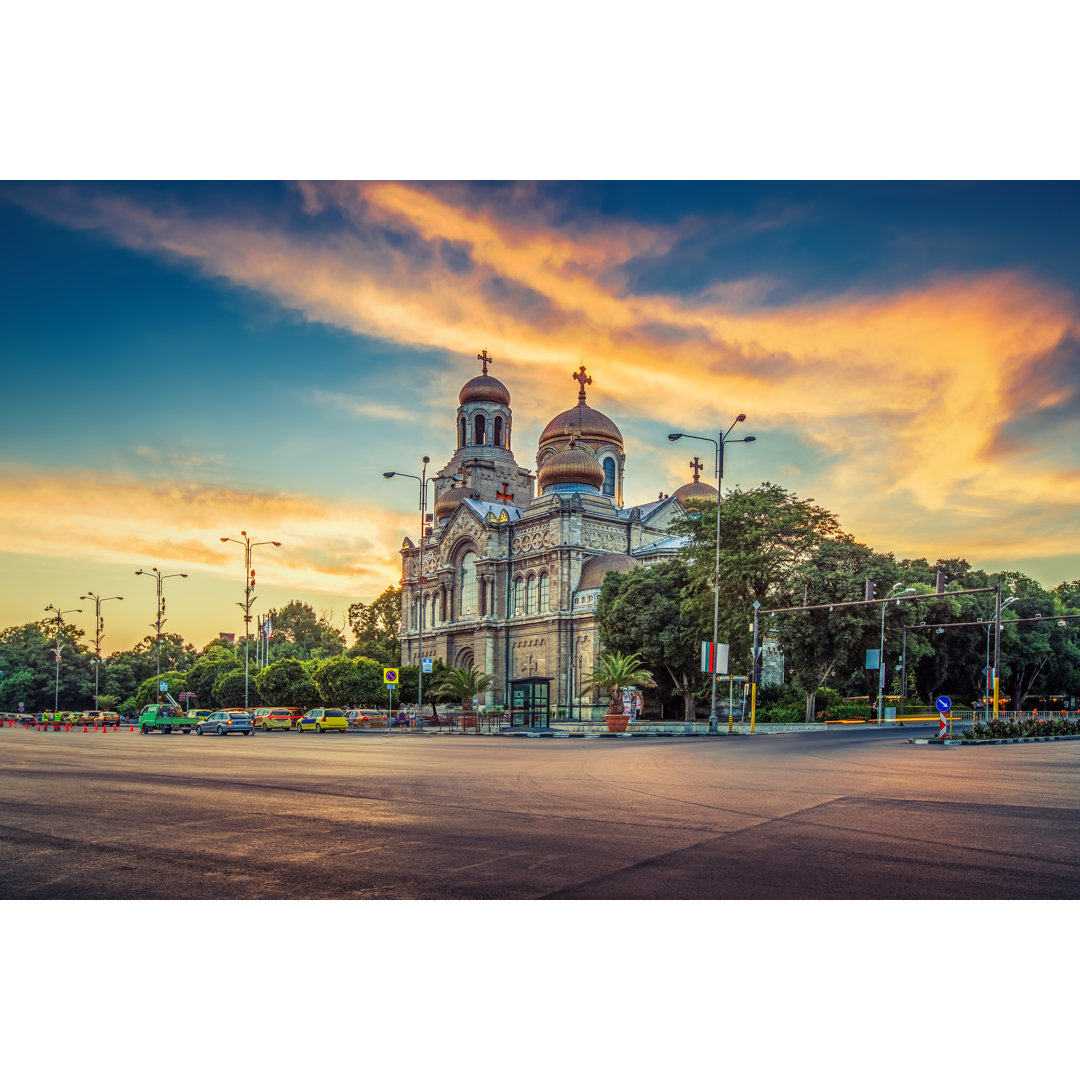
[{"x": 183, "y": 361}]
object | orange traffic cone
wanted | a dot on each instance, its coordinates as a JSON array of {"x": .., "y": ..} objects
[
  {"x": 132, "y": 727},
  {"x": 84, "y": 729}
]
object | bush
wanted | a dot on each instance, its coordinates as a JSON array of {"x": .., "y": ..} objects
[{"x": 782, "y": 714}]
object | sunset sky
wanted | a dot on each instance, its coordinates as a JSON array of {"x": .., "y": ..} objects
[{"x": 185, "y": 361}]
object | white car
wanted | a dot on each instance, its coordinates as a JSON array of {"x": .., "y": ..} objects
[{"x": 225, "y": 723}]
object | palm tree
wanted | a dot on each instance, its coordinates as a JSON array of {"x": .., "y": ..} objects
[
  {"x": 612, "y": 672},
  {"x": 463, "y": 684}
]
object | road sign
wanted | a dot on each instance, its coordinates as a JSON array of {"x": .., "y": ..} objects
[
  {"x": 21, "y": 706},
  {"x": 163, "y": 686},
  {"x": 426, "y": 664},
  {"x": 873, "y": 659},
  {"x": 390, "y": 676},
  {"x": 942, "y": 725},
  {"x": 943, "y": 704}
]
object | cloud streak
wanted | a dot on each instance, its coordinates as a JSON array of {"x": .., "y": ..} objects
[{"x": 908, "y": 395}]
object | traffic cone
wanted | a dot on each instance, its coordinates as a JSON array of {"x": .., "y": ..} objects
[
  {"x": 84, "y": 729},
  {"x": 132, "y": 727}
]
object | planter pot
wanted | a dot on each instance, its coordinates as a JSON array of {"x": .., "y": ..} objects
[{"x": 616, "y": 722}]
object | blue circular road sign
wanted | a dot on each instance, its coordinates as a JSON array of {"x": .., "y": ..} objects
[{"x": 943, "y": 704}]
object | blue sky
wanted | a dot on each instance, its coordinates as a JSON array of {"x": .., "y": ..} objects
[{"x": 187, "y": 360}]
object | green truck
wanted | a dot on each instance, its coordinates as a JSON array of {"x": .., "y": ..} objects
[{"x": 165, "y": 717}]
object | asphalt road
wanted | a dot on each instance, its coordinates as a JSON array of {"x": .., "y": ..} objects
[{"x": 852, "y": 814}]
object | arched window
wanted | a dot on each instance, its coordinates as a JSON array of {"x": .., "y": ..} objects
[
  {"x": 542, "y": 601},
  {"x": 462, "y": 436},
  {"x": 497, "y": 440},
  {"x": 467, "y": 583},
  {"x": 515, "y": 599},
  {"x": 416, "y": 613},
  {"x": 479, "y": 430},
  {"x": 530, "y": 596},
  {"x": 431, "y": 618},
  {"x": 609, "y": 476}
]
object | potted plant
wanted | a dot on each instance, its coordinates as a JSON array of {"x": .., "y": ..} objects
[{"x": 612, "y": 672}]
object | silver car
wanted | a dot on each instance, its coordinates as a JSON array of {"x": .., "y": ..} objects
[{"x": 224, "y": 723}]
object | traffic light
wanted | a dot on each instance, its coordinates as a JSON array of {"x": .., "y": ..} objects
[
  {"x": 941, "y": 579},
  {"x": 871, "y": 590}
]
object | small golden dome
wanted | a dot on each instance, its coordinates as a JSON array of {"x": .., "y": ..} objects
[
  {"x": 573, "y": 464},
  {"x": 484, "y": 388},
  {"x": 450, "y": 500},
  {"x": 594, "y": 570},
  {"x": 696, "y": 490}
]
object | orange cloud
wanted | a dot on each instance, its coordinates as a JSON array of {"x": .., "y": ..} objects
[
  {"x": 328, "y": 547},
  {"x": 908, "y": 391}
]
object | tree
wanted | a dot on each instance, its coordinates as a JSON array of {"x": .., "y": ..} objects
[
  {"x": 147, "y": 692},
  {"x": 229, "y": 691},
  {"x": 28, "y": 663},
  {"x": 766, "y": 535},
  {"x": 463, "y": 684},
  {"x": 309, "y": 635},
  {"x": 653, "y": 611},
  {"x": 612, "y": 672},
  {"x": 287, "y": 683},
  {"x": 214, "y": 663},
  {"x": 377, "y": 627},
  {"x": 344, "y": 681}
]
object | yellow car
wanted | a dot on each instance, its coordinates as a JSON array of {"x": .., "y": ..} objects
[
  {"x": 321, "y": 720},
  {"x": 273, "y": 719}
]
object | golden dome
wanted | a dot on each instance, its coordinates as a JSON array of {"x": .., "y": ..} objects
[
  {"x": 573, "y": 464},
  {"x": 484, "y": 388},
  {"x": 594, "y": 570},
  {"x": 586, "y": 423},
  {"x": 450, "y": 500},
  {"x": 696, "y": 490}
]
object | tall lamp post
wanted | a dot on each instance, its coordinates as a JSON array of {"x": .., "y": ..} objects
[
  {"x": 423, "y": 480},
  {"x": 59, "y": 648},
  {"x": 160, "y": 620},
  {"x": 719, "y": 443},
  {"x": 895, "y": 592},
  {"x": 99, "y": 633},
  {"x": 249, "y": 593}
]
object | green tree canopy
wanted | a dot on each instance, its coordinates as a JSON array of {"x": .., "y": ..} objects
[
  {"x": 228, "y": 690},
  {"x": 377, "y": 627},
  {"x": 613, "y": 672},
  {"x": 654, "y": 611},
  {"x": 343, "y": 681},
  {"x": 302, "y": 635},
  {"x": 286, "y": 683}
]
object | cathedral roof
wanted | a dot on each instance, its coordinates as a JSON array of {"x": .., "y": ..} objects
[{"x": 594, "y": 570}]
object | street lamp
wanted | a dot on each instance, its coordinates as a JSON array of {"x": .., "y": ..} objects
[
  {"x": 423, "y": 481},
  {"x": 895, "y": 593},
  {"x": 160, "y": 620},
  {"x": 59, "y": 648},
  {"x": 989, "y": 627},
  {"x": 719, "y": 443},
  {"x": 99, "y": 633},
  {"x": 249, "y": 594}
]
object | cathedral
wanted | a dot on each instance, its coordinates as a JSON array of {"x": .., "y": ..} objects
[{"x": 509, "y": 570}]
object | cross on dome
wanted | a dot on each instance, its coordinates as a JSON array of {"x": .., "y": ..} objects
[
  {"x": 484, "y": 359},
  {"x": 697, "y": 466},
  {"x": 580, "y": 377}
]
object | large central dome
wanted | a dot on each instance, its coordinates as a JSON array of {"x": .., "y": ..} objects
[{"x": 586, "y": 423}]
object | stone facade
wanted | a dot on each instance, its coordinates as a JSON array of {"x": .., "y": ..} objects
[{"x": 508, "y": 579}]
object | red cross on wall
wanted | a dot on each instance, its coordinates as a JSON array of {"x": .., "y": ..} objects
[{"x": 503, "y": 496}]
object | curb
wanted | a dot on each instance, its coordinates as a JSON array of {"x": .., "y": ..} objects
[{"x": 994, "y": 742}]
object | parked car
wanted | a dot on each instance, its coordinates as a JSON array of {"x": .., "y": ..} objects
[
  {"x": 320, "y": 720},
  {"x": 225, "y": 723},
  {"x": 365, "y": 717},
  {"x": 199, "y": 714},
  {"x": 274, "y": 719}
]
